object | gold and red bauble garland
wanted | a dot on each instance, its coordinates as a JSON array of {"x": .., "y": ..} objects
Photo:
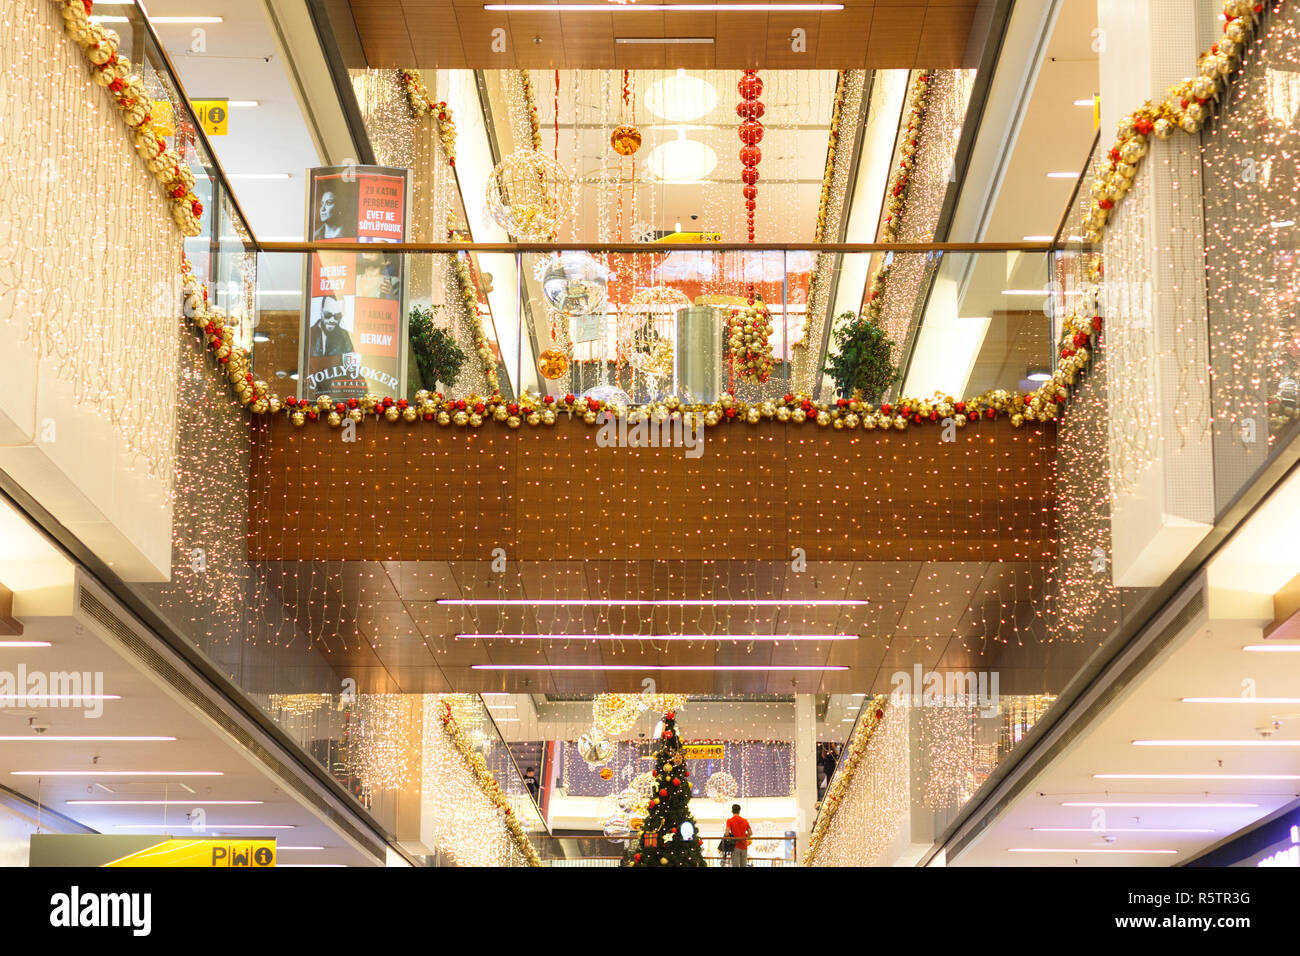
[
  {"x": 1185, "y": 107},
  {"x": 750, "y": 110},
  {"x": 838, "y": 788},
  {"x": 1041, "y": 405},
  {"x": 115, "y": 72},
  {"x": 530, "y": 107},
  {"x": 828, "y": 174},
  {"x": 422, "y": 104},
  {"x": 749, "y": 345},
  {"x": 895, "y": 194},
  {"x": 488, "y": 784}
]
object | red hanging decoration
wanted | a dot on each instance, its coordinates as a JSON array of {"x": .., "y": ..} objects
[{"x": 750, "y": 111}]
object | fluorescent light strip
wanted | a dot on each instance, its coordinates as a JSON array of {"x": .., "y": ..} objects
[
  {"x": 663, "y": 8},
  {"x": 660, "y": 667},
  {"x": 173, "y": 20},
  {"x": 1240, "y": 700},
  {"x": 221, "y": 826},
  {"x": 278, "y": 848},
  {"x": 45, "y": 698},
  {"x": 117, "y": 773},
  {"x": 1026, "y": 291},
  {"x": 663, "y": 41},
  {"x": 1036, "y": 849},
  {"x": 1274, "y": 648},
  {"x": 25, "y": 738},
  {"x": 1196, "y": 776},
  {"x": 243, "y": 104},
  {"x": 1063, "y": 175},
  {"x": 1090, "y": 101},
  {"x": 164, "y": 803},
  {"x": 1216, "y": 743},
  {"x": 650, "y": 602},
  {"x": 1162, "y": 805},
  {"x": 259, "y": 175},
  {"x": 16, "y": 644},
  {"x": 1123, "y": 830},
  {"x": 1037, "y": 238},
  {"x": 657, "y": 637}
]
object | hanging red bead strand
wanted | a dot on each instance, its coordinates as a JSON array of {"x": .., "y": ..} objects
[{"x": 750, "y": 111}]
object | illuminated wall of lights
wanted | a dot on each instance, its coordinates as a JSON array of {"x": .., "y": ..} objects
[
  {"x": 874, "y": 811},
  {"x": 760, "y": 768},
  {"x": 458, "y": 819},
  {"x": 91, "y": 258},
  {"x": 945, "y": 114}
]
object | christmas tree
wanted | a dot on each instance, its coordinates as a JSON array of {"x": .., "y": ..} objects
[{"x": 669, "y": 836}]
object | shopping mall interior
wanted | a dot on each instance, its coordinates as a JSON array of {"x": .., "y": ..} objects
[{"x": 447, "y": 433}]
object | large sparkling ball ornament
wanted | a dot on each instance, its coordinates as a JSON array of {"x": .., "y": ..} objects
[
  {"x": 750, "y": 86},
  {"x": 750, "y": 155},
  {"x": 594, "y": 749},
  {"x": 530, "y": 195},
  {"x": 750, "y": 109},
  {"x": 721, "y": 787},
  {"x": 615, "y": 714},
  {"x": 749, "y": 176},
  {"x": 575, "y": 284},
  {"x": 626, "y": 140},
  {"x": 751, "y": 132},
  {"x": 552, "y": 363}
]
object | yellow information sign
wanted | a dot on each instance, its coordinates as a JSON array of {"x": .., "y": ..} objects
[
  {"x": 248, "y": 854},
  {"x": 213, "y": 115},
  {"x": 703, "y": 751},
  {"x": 164, "y": 121},
  {"x": 691, "y": 237}
]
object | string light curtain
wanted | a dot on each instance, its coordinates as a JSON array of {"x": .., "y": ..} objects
[{"x": 90, "y": 272}]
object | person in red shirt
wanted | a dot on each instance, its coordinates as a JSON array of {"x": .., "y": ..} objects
[{"x": 739, "y": 830}]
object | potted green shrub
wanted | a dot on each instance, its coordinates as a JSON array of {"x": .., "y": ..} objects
[
  {"x": 862, "y": 364},
  {"x": 437, "y": 356}
]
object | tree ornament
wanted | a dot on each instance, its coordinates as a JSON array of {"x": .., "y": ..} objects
[
  {"x": 552, "y": 364},
  {"x": 626, "y": 140},
  {"x": 721, "y": 787},
  {"x": 574, "y": 283},
  {"x": 530, "y": 195},
  {"x": 594, "y": 748}
]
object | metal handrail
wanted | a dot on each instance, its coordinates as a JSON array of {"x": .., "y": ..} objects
[
  {"x": 219, "y": 172},
  {"x": 655, "y": 247}
]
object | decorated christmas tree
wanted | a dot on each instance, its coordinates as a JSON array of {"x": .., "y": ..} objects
[{"x": 669, "y": 836}]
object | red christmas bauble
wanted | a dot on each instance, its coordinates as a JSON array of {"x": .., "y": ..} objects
[
  {"x": 750, "y": 155},
  {"x": 663, "y": 791},
  {"x": 751, "y": 205},
  {"x": 750, "y": 131},
  {"x": 750, "y": 192},
  {"x": 750, "y": 109},
  {"x": 750, "y": 86},
  {"x": 677, "y": 782},
  {"x": 749, "y": 176}
]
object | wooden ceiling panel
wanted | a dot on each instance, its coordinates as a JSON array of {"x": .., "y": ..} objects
[
  {"x": 944, "y": 35},
  {"x": 741, "y": 42},
  {"x": 588, "y": 39},
  {"x": 537, "y": 39},
  {"x": 781, "y": 40},
  {"x": 476, "y": 37},
  {"x": 895, "y": 33},
  {"x": 384, "y": 35},
  {"x": 435, "y": 37},
  {"x": 886, "y": 34}
]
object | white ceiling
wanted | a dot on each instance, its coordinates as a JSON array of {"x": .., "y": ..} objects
[
  {"x": 240, "y": 60},
  {"x": 796, "y": 123},
  {"x": 1207, "y": 661}
]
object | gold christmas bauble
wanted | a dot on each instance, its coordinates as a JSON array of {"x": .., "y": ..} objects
[
  {"x": 626, "y": 140},
  {"x": 552, "y": 363}
]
